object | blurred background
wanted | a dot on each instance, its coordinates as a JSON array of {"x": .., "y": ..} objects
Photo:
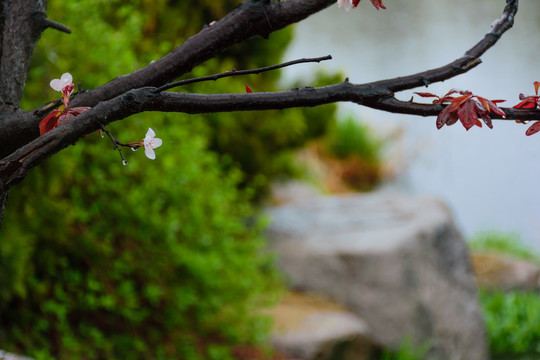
[
  {"x": 486, "y": 176},
  {"x": 163, "y": 259}
]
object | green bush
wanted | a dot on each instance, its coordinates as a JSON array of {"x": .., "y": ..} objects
[
  {"x": 350, "y": 137},
  {"x": 157, "y": 259},
  {"x": 513, "y": 323},
  {"x": 408, "y": 351},
  {"x": 512, "y": 318},
  {"x": 503, "y": 243},
  {"x": 152, "y": 260}
]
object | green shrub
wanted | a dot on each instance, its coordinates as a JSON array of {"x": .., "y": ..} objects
[
  {"x": 407, "y": 351},
  {"x": 512, "y": 318},
  {"x": 513, "y": 323},
  {"x": 503, "y": 243},
  {"x": 350, "y": 137},
  {"x": 147, "y": 261},
  {"x": 157, "y": 259}
]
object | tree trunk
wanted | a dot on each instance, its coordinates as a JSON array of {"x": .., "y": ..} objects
[{"x": 3, "y": 201}]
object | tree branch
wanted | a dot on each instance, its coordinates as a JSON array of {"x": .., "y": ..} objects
[
  {"x": 14, "y": 167},
  {"x": 235, "y": 72},
  {"x": 251, "y": 18},
  {"x": 48, "y": 23}
]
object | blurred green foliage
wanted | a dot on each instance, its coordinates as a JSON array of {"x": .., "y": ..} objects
[
  {"x": 158, "y": 259},
  {"x": 350, "y": 137},
  {"x": 513, "y": 324},
  {"x": 408, "y": 351},
  {"x": 503, "y": 243},
  {"x": 512, "y": 318},
  {"x": 142, "y": 261}
]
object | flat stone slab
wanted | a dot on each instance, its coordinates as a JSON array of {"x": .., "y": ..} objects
[
  {"x": 502, "y": 272},
  {"x": 308, "y": 326}
]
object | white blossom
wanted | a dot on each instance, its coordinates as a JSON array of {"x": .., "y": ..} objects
[
  {"x": 150, "y": 143},
  {"x": 347, "y": 4},
  {"x": 60, "y": 84}
]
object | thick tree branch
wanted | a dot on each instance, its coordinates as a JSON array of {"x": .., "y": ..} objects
[
  {"x": 15, "y": 167},
  {"x": 378, "y": 95},
  {"x": 251, "y": 18}
]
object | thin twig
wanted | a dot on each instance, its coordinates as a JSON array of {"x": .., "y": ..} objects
[
  {"x": 235, "y": 72},
  {"x": 117, "y": 144},
  {"x": 48, "y": 23}
]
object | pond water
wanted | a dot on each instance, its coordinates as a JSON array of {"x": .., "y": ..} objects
[{"x": 489, "y": 178}]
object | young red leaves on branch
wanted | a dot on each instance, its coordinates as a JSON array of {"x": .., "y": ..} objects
[
  {"x": 349, "y": 4},
  {"x": 467, "y": 107},
  {"x": 58, "y": 117},
  {"x": 530, "y": 102}
]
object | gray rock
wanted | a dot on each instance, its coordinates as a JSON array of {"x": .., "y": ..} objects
[
  {"x": 8, "y": 356},
  {"x": 396, "y": 261},
  {"x": 291, "y": 191}
]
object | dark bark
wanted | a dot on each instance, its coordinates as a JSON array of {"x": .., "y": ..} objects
[
  {"x": 3, "y": 202},
  {"x": 22, "y": 27}
]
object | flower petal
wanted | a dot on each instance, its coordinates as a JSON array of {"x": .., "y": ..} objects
[
  {"x": 150, "y": 134},
  {"x": 149, "y": 152},
  {"x": 67, "y": 78},
  {"x": 57, "y": 84},
  {"x": 157, "y": 142}
]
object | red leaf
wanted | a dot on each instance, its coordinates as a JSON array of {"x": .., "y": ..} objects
[
  {"x": 533, "y": 129},
  {"x": 446, "y": 117},
  {"x": 452, "y": 119},
  {"x": 78, "y": 110},
  {"x": 528, "y": 103},
  {"x": 457, "y": 102},
  {"x": 492, "y": 106},
  {"x": 70, "y": 113},
  {"x": 426, "y": 94},
  {"x": 467, "y": 114},
  {"x": 248, "y": 90},
  {"x": 478, "y": 123},
  {"x": 487, "y": 120},
  {"x": 64, "y": 118},
  {"x": 378, "y": 4},
  {"x": 49, "y": 122}
]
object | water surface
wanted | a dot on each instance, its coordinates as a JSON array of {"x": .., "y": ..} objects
[{"x": 488, "y": 177}]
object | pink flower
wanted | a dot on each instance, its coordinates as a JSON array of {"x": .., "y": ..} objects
[
  {"x": 151, "y": 142},
  {"x": 65, "y": 85}
]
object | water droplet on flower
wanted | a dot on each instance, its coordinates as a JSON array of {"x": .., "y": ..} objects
[{"x": 124, "y": 162}]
